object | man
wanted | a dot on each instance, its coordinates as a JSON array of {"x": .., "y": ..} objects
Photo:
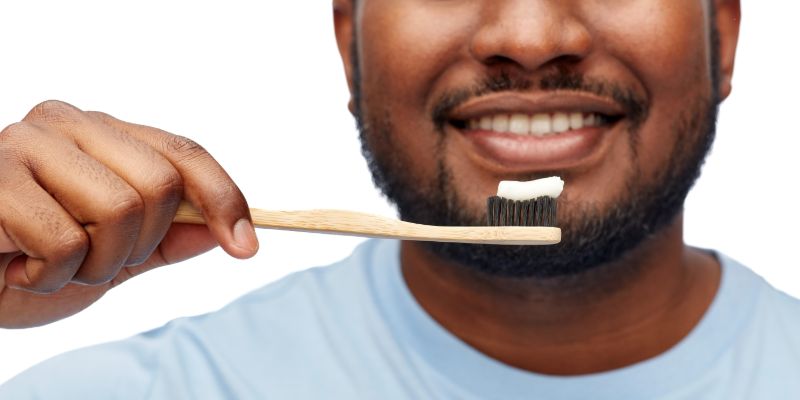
[{"x": 450, "y": 97}]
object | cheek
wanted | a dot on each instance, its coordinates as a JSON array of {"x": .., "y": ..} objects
[
  {"x": 665, "y": 46},
  {"x": 404, "y": 46},
  {"x": 663, "y": 42}
]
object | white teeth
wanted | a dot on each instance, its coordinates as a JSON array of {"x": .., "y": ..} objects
[
  {"x": 560, "y": 122},
  {"x": 590, "y": 120},
  {"x": 540, "y": 124},
  {"x": 519, "y": 124},
  {"x": 486, "y": 123},
  {"x": 500, "y": 123},
  {"x": 576, "y": 121}
]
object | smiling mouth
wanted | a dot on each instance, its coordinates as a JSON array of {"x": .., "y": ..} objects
[
  {"x": 529, "y": 132},
  {"x": 537, "y": 125}
]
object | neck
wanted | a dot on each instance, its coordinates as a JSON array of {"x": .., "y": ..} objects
[{"x": 612, "y": 316}]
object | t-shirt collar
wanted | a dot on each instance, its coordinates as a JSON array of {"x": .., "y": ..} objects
[{"x": 487, "y": 378}]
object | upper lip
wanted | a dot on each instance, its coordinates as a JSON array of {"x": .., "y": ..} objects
[{"x": 535, "y": 103}]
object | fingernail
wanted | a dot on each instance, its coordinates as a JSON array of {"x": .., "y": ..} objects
[{"x": 244, "y": 235}]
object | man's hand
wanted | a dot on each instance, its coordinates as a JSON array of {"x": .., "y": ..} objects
[{"x": 87, "y": 202}]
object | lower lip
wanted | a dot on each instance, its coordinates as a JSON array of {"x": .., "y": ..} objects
[{"x": 562, "y": 150}]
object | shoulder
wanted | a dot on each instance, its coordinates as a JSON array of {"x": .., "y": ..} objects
[
  {"x": 765, "y": 356},
  {"x": 768, "y": 298},
  {"x": 118, "y": 368}
]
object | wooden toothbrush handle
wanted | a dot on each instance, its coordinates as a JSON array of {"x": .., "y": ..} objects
[
  {"x": 353, "y": 223},
  {"x": 326, "y": 221}
]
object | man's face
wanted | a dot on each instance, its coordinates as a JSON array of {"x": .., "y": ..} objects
[{"x": 616, "y": 97}]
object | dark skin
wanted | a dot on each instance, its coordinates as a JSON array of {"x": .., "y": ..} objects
[
  {"x": 88, "y": 202},
  {"x": 89, "y": 199},
  {"x": 659, "y": 49},
  {"x": 555, "y": 329}
]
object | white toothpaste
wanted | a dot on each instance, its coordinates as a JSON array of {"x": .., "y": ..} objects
[{"x": 514, "y": 190}]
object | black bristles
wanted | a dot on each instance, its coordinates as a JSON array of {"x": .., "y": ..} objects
[{"x": 540, "y": 211}]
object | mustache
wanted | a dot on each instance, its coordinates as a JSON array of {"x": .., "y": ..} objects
[{"x": 636, "y": 106}]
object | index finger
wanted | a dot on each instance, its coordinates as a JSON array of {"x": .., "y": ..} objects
[{"x": 206, "y": 185}]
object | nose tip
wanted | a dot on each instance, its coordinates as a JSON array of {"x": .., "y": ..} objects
[{"x": 530, "y": 34}]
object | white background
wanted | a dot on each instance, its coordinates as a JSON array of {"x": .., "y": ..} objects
[{"x": 260, "y": 85}]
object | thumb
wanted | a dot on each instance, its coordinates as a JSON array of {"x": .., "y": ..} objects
[
  {"x": 182, "y": 242},
  {"x": 206, "y": 185}
]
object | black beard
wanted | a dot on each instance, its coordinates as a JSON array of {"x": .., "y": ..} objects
[{"x": 590, "y": 237}]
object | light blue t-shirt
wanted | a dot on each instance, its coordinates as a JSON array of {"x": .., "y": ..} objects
[{"x": 354, "y": 331}]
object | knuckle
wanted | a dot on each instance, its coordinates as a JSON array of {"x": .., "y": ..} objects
[
  {"x": 66, "y": 255},
  {"x": 227, "y": 190},
  {"x": 184, "y": 147},
  {"x": 16, "y": 132},
  {"x": 167, "y": 187},
  {"x": 72, "y": 246},
  {"x": 99, "y": 115},
  {"x": 53, "y": 111},
  {"x": 126, "y": 206},
  {"x": 106, "y": 120},
  {"x": 20, "y": 143}
]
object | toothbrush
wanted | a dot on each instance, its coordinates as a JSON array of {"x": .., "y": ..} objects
[{"x": 537, "y": 210}]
